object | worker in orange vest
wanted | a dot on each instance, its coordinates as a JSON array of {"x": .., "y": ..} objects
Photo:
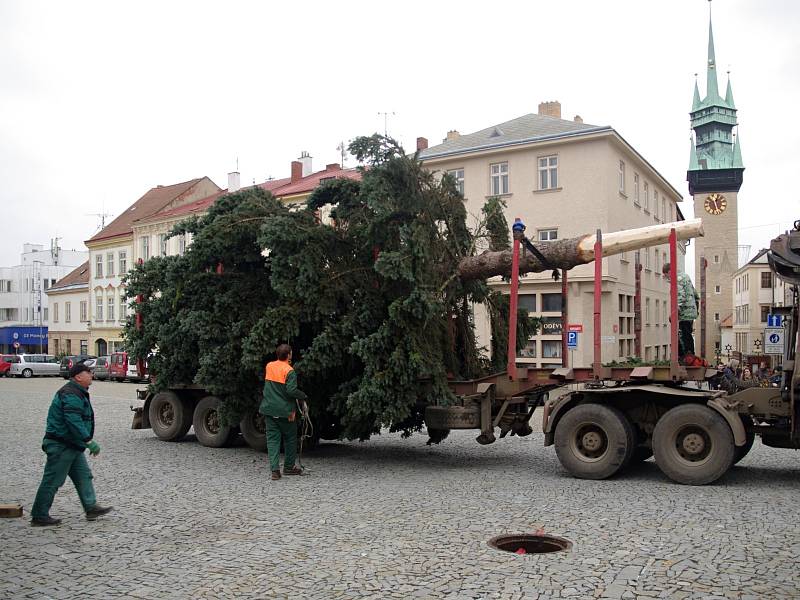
[{"x": 279, "y": 408}]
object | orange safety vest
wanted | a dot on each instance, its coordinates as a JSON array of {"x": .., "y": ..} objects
[{"x": 277, "y": 371}]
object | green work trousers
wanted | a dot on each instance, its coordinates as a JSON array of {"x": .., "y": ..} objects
[
  {"x": 62, "y": 461},
  {"x": 280, "y": 428}
]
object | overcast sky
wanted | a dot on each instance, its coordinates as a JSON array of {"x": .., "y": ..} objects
[{"x": 100, "y": 101}]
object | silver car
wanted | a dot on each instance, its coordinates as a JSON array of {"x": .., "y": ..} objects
[{"x": 29, "y": 365}]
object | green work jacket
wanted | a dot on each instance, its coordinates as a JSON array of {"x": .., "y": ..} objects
[
  {"x": 280, "y": 390},
  {"x": 688, "y": 298},
  {"x": 70, "y": 419}
]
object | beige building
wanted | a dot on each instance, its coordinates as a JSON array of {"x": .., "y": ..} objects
[
  {"x": 113, "y": 252},
  {"x": 566, "y": 178},
  {"x": 755, "y": 290},
  {"x": 69, "y": 313}
]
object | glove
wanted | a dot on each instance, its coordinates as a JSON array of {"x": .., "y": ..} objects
[{"x": 94, "y": 447}]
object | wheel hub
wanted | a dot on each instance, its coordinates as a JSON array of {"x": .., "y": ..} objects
[
  {"x": 212, "y": 422},
  {"x": 592, "y": 441},
  {"x": 166, "y": 415},
  {"x": 693, "y": 444}
]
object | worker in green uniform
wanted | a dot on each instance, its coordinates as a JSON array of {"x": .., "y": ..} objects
[
  {"x": 70, "y": 431},
  {"x": 688, "y": 305},
  {"x": 279, "y": 408}
]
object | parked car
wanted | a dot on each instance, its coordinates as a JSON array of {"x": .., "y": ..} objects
[
  {"x": 68, "y": 362},
  {"x": 121, "y": 369},
  {"x": 100, "y": 368},
  {"x": 5, "y": 363},
  {"x": 29, "y": 365}
]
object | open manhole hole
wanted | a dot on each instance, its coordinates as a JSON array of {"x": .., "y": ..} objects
[{"x": 530, "y": 543}]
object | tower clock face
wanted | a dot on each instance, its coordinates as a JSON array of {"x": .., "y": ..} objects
[{"x": 715, "y": 204}]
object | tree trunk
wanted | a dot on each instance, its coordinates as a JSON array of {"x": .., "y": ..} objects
[{"x": 571, "y": 252}]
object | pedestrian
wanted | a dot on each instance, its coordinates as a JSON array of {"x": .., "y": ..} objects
[
  {"x": 69, "y": 431},
  {"x": 279, "y": 407},
  {"x": 763, "y": 371},
  {"x": 746, "y": 374},
  {"x": 688, "y": 305}
]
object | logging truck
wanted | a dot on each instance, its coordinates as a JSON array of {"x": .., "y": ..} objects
[{"x": 600, "y": 419}]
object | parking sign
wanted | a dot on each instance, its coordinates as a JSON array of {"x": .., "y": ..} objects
[{"x": 572, "y": 339}]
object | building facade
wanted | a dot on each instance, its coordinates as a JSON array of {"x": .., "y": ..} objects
[
  {"x": 755, "y": 291},
  {"x": 113, "y": 252},
  {"x": 24, "y": 308},
  {"x": 69, "y": 313},
  {"x": 564, "y": 179},
  {"x": 715, "y": 176}
]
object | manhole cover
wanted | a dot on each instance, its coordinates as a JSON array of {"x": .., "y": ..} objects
[{"x": 529, "y": 543}]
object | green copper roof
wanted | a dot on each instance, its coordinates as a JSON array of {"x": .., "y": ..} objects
[
  {"x": 737, "y": 153},
  {"x": 693, "y": 164},
  {"x": 696, "y": 104},
  {"x": 712, "y": 92},
  {"x": 729, "y": 94}
]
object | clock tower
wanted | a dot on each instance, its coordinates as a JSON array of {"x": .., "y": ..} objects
[{"x": 715, "y": 175}]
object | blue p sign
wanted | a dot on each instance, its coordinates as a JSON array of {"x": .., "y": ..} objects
[{"x": 572, "y": 339}]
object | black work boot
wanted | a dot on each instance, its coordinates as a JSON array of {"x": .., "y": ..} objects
[
  {"x": 96, "y": 511},
  {"x": 44, "y": 521}
]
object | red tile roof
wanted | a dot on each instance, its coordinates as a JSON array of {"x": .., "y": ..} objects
[
  {"x": 310, "y": 182},
  {"x": 185, "y": 209},
  {"x": 153, "y": 201},
  {"x": 76, "y": 276}
]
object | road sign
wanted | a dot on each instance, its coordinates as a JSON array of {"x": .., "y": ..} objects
[
  {"x": 774, "y": 320},
  {"x": 773, "y": 340},
  {"x": 572, "y": 339},
  {"x": 15, "y": 344},
  {"x": 577, "y": 327}
]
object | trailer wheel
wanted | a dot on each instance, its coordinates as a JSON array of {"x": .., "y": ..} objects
[
  {"x": 170, "y": 417},
  {"x": 693, "y": 444},
  {"x": 254, "y": 430},
  {"x": 207, "y": 427},
  {"x": 741, "y": 451},
  {"x": 594, "y": 441}
]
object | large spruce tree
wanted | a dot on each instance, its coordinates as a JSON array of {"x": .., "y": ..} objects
[{"x": 372, "y": 302}]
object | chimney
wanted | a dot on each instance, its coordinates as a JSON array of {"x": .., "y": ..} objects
[
  {"x": 422, "y": 143},
  {"x": 332, "y": 167},
  {"x": 233, "y": 182},
  {"x": 297, "y": 171},
  {"x": 305, "y": 158},
  {"x": 452, "y": 135},
  {"x": 550, "y": 108},
  {"x": 578, "y": 119}
]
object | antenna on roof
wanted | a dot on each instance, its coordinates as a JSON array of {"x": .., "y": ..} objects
[
  {"x": 342, "y": 151},
  {"x": 102, "y": 216},
  {"x": 385, "y": 122}
]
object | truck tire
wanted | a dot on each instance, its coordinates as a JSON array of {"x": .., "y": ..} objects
[
  {"x": 170, "y": 416},
  {"x": 207, "y": 427},
  {"x": 693, "y": 444},
  {"x": 254, "y": 430},
  {"x": 594, "y": 441}
]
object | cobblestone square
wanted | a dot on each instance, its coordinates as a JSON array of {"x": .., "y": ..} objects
[{"x": 388, "y": 518}]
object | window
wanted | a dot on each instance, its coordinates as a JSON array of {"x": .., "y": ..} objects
[
  {"x": 548, "y": 172},
  {"x": 657, "y": 311},
  {"x": 655, "y": 205},
  {"x": 111, "y": 304},
  {"x": 45, "y": 314},
  {"x": 98, "y": 265},
  {"x": 655, "y": 257},
  {"x": 764, "y": 312},
  {"x": 636, "y": 189},
  {"x": 46, "y": 284},
  {"x": 182, "y": 243},
  {"x": 83, "y": 310},
  {"x": 84, "y": 346},
  {"x": 110, "y": 264},
  {"x": 98, "y": 313},
  {"x": 716, "y": 259},
  {"x": 551, "y": 349},
  {"x": 123, "y": 262},
  {"x": 646, "y": 196},
  {"x": 122, "y": 312},
  {"x": 622, "y": 177},
  {"x": 717, "y": 289},
  {"x": 458, "y": 177},
  {"x": 551, "y": 302},
  {"x": 67, "y": 311},
  {"x": 647, "y": 311},
  {"x": 162, "y": 244},
  {"x": 528, "y": 302},
  {"x": 548, "y": 235},
  {"x": 499, "y": 178},
  {"x": 664, "y": 214},
  {"x": 145, "y": 247},
  {"x": 647, "y": 258},
  {"x": 766, "y": 279},
  {"x": 529, "y": 351},
  {"x": 55, "y": 312}
]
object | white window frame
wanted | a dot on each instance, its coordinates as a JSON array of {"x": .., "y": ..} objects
[
  {"x": 110, "y": 305},
  {"x": 145, "y": 247},
  {"x": 162, "y": 244},
  {"x": 182, "y": 244},
  {"x": 55, "y": 312},
  {"x": 109, "y": 264},
  {"x": 646, "y": 196},
  {"x": 458, "y": 177},
  {"x": 498, "y": 179},
  {"x": 67, "y": 312},
  {"x": 547, "y": 235},
  {"x": 548, "y": 172},
  {"x": 98, "y": 266},
  {"x": 84, "y": 310},
  {"x": 622, "y": 177},
  {"x": 636, "y": 189},
  {"x": 123, "y": 262},
  {"x": 98, "y": 307}
]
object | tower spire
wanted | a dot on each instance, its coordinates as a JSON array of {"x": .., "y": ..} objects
[
  {"x": 729, "y": 93},
  {"x": 712, "y": 91},
  {"x": 696, "y": 99}
]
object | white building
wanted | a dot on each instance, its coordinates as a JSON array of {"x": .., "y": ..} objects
[
  {"x": 69, "y": 313},
  {"x": 24, "y": 309}
]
